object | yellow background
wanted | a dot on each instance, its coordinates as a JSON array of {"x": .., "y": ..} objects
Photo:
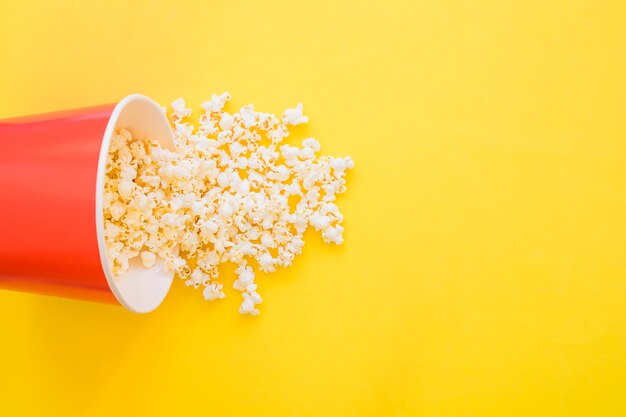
[{"x": 483, "y": 272}]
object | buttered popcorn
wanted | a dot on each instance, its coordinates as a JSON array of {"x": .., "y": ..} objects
[{"x": 230, "y": 191}]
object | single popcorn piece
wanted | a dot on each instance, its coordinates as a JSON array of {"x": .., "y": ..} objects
[
  {"x": 148, "y": 259},
  {"x": 230, "y": 191},
  {"x": 213, "y": 291},
  {"x": 294, "y": 117},
  {"x": 179, "y": 109}
]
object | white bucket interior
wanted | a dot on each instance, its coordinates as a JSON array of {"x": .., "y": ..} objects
[{"x": 140, "y": 290}]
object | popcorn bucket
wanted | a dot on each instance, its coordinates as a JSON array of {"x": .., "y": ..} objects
[{"x": 52, "y": 169}]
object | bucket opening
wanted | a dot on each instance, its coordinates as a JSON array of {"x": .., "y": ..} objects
[{"x": 140, "y": 289}]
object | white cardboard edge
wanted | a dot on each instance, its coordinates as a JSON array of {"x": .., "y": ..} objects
[{"x": 147, "y": 292}]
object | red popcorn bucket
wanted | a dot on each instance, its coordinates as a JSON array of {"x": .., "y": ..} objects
[{"x": 52, "y": 170}]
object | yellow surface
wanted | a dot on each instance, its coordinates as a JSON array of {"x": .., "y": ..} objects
[{"x": 484, "y": 271}]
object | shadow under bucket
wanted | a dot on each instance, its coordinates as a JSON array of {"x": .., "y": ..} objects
[{"x": 52, "y": 169}]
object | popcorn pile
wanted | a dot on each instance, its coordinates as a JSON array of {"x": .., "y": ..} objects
[{"x": 228, "y": 192}]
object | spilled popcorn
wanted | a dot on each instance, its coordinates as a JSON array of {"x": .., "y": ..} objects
[{"x": 229, "y": 191}]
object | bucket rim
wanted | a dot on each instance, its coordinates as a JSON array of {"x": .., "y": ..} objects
[{"x": 140, "y": 290}]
